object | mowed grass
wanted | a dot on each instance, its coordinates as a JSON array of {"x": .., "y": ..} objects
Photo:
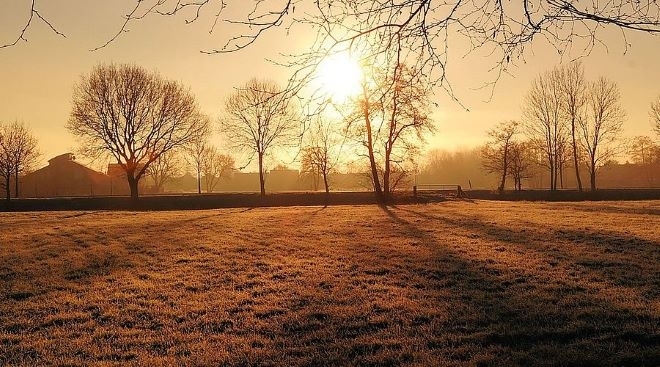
[{"x": 455, "y": 283}]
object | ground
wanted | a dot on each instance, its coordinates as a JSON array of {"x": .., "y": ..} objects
[{"x": 454, "y": 283}]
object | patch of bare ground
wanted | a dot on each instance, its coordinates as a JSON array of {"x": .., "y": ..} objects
[{"x": 455, "y": 283}]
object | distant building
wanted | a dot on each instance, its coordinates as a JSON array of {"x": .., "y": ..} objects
[{"x": 63, "y": 176}]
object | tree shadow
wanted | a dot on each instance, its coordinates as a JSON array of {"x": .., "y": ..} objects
[{"x": 506, "y": 309}]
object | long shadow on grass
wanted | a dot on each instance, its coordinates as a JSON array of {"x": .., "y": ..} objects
[
  {"x": 624, "y": 259},
  {"x": 526, "y": 321}
]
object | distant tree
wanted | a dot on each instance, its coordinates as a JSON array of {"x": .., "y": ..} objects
[
  {"x": 320, "y": 156},
  {"x": 496, "y": 154},
  {"x": 257, "y": 119},
  {"x": 645, "y": 153},
  {"x": 542, "y": 112},
  {"x": 573, "y": 93},
  {"x": 6, "y": 163},
  {"x": 564, "y": 156},
  {"x": 601, "y": 128},
  {"x": 133, "y": 115},
  {"x": 196, "y": 151},
  {"x": 521, "y": 162},
  {"x": 655, "y": 116},
  {"x": 643, "y": 150},
  {"x": 164, "y": 168},
  {"x": 215, "y": 166},
  {"x": 18, "y": 153}
]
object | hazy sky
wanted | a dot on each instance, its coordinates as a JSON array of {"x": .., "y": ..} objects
[{"x": 37, "y": 77}]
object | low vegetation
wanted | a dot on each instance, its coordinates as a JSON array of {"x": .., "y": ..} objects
[{"x": 453, "y": 283}]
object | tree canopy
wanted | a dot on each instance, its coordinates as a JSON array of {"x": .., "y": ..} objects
[{"x": 133, "y": 115}]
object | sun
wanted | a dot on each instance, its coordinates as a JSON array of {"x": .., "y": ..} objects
[{"x": 340, "y": 76}]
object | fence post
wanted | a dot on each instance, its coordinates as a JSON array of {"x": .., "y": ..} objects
[{"x": 415, "y": 191}]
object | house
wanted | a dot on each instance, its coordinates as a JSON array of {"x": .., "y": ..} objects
[{"x": 63, "y": 176}]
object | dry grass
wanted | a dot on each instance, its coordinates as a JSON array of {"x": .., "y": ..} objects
[{"x": 455, "y": 283}]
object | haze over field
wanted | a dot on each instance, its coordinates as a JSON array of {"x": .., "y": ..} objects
[{"x": 37, "y": 76}]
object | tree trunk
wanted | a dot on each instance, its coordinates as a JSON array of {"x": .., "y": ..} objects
[
  {"x": 133, "y": 186},
  {"x": 552, "y": 177},
  {"x": 505, "y": 170},
  {"x": 592, "y": 174},
  {"x": 370, "y": 147},
  {"x": 262, "y": 181},
  {"x": 575, "y": 157},
  {"x": 387, "y": 173},
  {"x": 7, "y": 188},
  {"x": 16, "y": 182},
  {"x": 325, "y": 182},
  {"x": 199, "y": 180}
]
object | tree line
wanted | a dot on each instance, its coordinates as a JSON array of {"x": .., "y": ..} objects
[
  {"x": 150, "y": 126},
  {"x": 567, "y": 122}
]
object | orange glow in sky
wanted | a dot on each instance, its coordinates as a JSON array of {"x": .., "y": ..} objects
[{"x": 37, "y": 77}]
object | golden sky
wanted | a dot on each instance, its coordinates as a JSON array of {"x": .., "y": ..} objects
[{"x": 37, "y": 77}]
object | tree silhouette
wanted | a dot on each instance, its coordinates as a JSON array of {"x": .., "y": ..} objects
[
  {"x": 390, "y": 119},
  {"x": 602, "y": 127},
  {"x": 655, "y": 116},
  {"x": 542, "y": 112},
  {"x": 496, "y": 154},
  {"x": 18, "y": 153},
  {"x": 164, "y": 169},
  {"x": 215, "y": 166},
  {"x": 133, "y": 115},
  {"x": 321, "y": 154},
  {"x": 258, "y": 117},
  {"x": 574, "y": 96}
]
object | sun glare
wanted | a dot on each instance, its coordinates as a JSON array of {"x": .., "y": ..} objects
[{"x": 340, "y": 76}]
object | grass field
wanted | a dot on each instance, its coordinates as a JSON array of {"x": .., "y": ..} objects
[{"x": 454, "y": 283}]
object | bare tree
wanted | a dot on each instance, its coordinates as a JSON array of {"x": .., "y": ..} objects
[
  {"x": 164, "y": 169},
  {"x": 645, "y": 153},
  {"x": 520, "y": 163},
  {"x": 574, "y": 96},
  {"x": 390, "y": 120},
  {"x": 257, "y": 119},
  {"x": 542, "y": 112},
  {"x": 602, "y": 127},
  {"x": 215, "y": 166},
  {"x": 655, "y": 116},
  {"x": 18, "y": 153},
  {"x": 196, "y": 150},
  {"x": 320, "y": 156},
  {"x": 133, "y": 115},
  {"x": 496, "y": 154},
  {"x": 6, "y": 163}
]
